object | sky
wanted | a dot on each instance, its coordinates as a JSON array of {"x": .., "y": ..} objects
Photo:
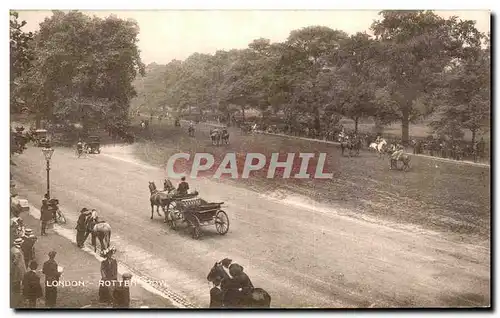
[{"x": 168, "y": 35}]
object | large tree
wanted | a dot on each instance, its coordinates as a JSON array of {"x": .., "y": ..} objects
[
  {"x": 415, "y": 48},
  {"x": 21, "y": 57},
  {"x": 465, "y": 97},
  {"x": 306, "y": 54},
  {"x": 84, "y": 68}
]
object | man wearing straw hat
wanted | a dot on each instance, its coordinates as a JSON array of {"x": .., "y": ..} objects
[{"x": 17, "y": 270}]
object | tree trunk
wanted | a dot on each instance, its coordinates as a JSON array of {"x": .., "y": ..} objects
[
  {"x": 317, "y": 121},
  {"x": 356, "y": 120},
  {"x": 405, "y": 126},
  {"x": 473, "y": 136},
  {"x": 243, "y": 112},
  {"x": 38, "y": 120}
]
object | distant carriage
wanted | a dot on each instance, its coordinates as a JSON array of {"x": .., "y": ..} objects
[
  {"x": 93, "y": 145},
  {"x": 40, "y": 138},
  {"x": 197, "y": 212}
]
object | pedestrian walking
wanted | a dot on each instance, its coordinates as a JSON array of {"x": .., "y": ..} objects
[
  {"x": 216, "y": 294},
  {"x": 121, "y": 294},
  {"x": 32, "y": 290},
  {"x": 52, "y": 275},
  {"x": 28, "y": 246},
  {"x": 45, "y": 215},
  {"x": 81, "y": 227},
  {"x": 17, "y": 271},
  {"x": 109, "y": 276}
]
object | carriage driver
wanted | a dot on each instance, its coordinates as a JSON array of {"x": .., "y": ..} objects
[{"x": 183, "y": 187}]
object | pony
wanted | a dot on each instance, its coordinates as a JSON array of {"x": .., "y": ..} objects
[
  {"x": 233, "y": 297},
  {"x": 215, "y": 135},
  {"x": 159, "y": 199},
  {"x": 98, "y": 229}
]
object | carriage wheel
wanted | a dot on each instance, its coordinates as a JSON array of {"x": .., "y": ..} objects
[
  {"x": 221, "y": 222},
  {"x": 194, "y": 223}
]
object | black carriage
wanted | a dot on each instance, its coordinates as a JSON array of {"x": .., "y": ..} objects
[
  {"x": 196, "y": 212},
  {"x": 40, "y": 138},
  {"x": 93, "y": 144}
]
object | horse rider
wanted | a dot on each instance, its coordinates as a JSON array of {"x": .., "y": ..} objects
[
  {"x": 183, "y": 187},
  {"x": 342, "y": 135},
  {"x": 378, "y": 140},
  {"x": 398, "y": 152},
  {"x": 79, "y": 145}
]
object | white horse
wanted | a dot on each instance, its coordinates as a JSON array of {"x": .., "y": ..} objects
[{"x": 378, "y": 146}]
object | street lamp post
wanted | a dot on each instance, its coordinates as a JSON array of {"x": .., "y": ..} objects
[{"x": 47, "y": 152}]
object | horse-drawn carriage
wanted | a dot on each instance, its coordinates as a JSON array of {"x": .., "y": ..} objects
[
  {"x": 196, "y": 212},
  {"x": 40, "y": 138},
  {"x": 93, "y": 144}
]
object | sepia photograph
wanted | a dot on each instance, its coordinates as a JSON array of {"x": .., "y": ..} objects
[{"x": 275, "y": 159}]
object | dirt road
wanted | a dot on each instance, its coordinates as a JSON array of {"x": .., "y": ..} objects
[{"x": 303, "y": 256}]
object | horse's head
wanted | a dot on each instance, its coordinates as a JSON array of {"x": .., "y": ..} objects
[
  {"x": 215, "y": 272},
  {"x": 90, "y": 222},
  {"x": 168, "y": 186},
  {"x": 152, "y": 186}
]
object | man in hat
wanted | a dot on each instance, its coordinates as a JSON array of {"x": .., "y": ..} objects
[
  {"x": 81, "y": 227},
  {"x": 121, "y": 294},
  {"x": 225, "y": 265},
  {"x": 52, "y": 275},
  {"x": 183, "y": 187},
  {"x": 216, "y": 294},
  {"x": 109, "y": 273},
  {"x": 17, "y": 270},
  {"x": 45, "y": 215},
  {"x": 28, "y": 246},
  {"x": 32, "y": 290}
]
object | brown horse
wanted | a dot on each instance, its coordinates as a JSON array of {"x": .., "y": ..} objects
[
  {"x": 404, "y": 158},
  {"x": 98, "y": 229},
  {"x": 160, "y": 199}
]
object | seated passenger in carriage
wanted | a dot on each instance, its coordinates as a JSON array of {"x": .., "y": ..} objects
[{"x": 183, "y": 187}]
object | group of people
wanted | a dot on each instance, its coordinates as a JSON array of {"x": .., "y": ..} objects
[
  {"x": 26, "y": 288},
  {"x": 229, "y": 280}
]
